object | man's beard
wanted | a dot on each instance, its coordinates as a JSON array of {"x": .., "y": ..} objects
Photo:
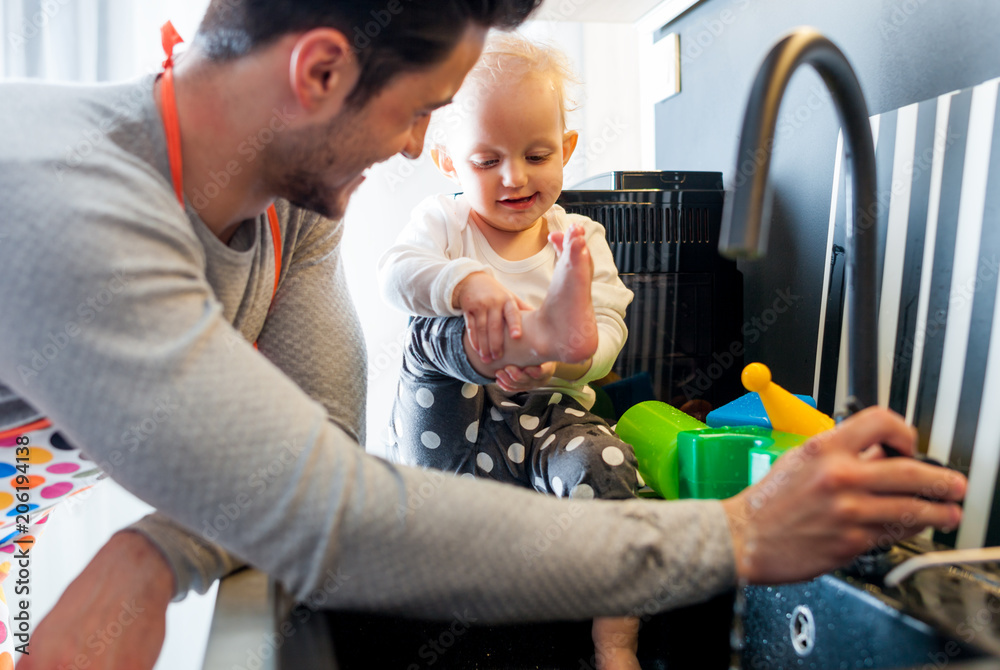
[
  {"x": 304, "y": 190},
  {"x": 303, "y": 163}
]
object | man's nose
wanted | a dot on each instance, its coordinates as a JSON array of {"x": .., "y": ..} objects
[{"x": 415, "y": 143}]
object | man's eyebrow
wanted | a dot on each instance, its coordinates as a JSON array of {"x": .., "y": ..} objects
[{"x": 438, "y": 105}]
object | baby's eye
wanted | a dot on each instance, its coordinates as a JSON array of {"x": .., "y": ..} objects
[
  {"x": 539, "y": 158},
  {"x": 484, "y": 164}
]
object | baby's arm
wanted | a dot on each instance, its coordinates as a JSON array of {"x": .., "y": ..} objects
[
  {"x": 421, "y": 271},
  {"x": 427, "y": 273},
  {"x": 489, "y": 307}
]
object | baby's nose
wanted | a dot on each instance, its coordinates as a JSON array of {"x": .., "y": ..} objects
[{"x": 515, "y": 174}]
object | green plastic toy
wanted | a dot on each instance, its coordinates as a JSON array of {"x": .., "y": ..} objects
[
  {"x": 681, "y": 457},
  {"x": 720, "y": 462},
  {"x": 651, "y": 428}
]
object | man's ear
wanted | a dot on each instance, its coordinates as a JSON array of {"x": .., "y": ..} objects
[
  {"x": 569, "y": 145},
  {"x": 323, "y": 69},
  {"x": 443, "y": 162}
]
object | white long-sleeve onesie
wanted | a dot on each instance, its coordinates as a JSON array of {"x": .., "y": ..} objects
[{"x": 439, "y": 248}]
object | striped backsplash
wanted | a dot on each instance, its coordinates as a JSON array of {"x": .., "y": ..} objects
[{"x": 938, "y": 165}]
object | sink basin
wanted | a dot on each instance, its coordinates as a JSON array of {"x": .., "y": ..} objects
[
  {"x": 831, "y": 623},
  {"x": 850, "y": 619}
]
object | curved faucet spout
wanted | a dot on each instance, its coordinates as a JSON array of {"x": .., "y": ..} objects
[{"x": 746, "y": 215}]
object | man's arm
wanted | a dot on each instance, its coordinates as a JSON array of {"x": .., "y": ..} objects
[
  {"x": 312, "y": 302},
  {"x": 128, "y": 580},
  {"x": 314, "y": 510},
  {"x": 818, "y": 508}
]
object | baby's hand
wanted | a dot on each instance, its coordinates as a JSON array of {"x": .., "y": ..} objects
[
  {"x": 489, "y": 308},
  {"x": 514, "y": 379}
]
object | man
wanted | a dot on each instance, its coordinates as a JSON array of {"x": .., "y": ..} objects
[{"x": 258, "y": 455}]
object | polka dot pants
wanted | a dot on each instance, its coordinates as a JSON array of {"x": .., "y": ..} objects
[{"x": 447, "y": 416}]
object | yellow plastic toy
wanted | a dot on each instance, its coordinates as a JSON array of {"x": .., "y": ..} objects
[{"x": 786, "y": 412}]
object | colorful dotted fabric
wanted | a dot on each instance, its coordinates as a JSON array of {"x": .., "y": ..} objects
[{"x": 56, "y": 470}]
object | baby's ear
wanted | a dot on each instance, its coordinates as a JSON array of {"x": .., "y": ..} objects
[
  {"x": 569, "y": 145},
  {"x": 443, "y": 162}
]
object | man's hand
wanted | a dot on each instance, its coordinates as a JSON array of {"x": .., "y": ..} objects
[
  {"x": 113, "y": 616},
  {"x": 489, "y": 309},
  {"x": 824, "y": 503},
  {"x": 514, "y": 379}
]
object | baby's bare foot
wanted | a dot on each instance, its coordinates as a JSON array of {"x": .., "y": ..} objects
[
  {"x": 566, "y": 316},
  {"x": 616, "y": 641}
]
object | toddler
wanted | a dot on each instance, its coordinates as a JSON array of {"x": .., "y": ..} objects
[{"x": 517, "y": 305}]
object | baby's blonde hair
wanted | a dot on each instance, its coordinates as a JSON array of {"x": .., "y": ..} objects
[{"x": 508, "y": 58}]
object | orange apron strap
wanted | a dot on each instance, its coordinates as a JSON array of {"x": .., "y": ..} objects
[
  {"x": 272, "y": 217},
  {"x": 42, "y": 424},
  {"x": 168, "y": 108},
  {"x": 172, "y": 130}
]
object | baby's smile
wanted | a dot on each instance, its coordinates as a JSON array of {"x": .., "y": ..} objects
[{"x": 520, "y": 203}]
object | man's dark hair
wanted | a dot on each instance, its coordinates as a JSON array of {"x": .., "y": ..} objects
[{"x": 389, "y": 36}]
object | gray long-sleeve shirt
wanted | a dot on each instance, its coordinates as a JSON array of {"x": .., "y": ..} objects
[{"x": 258, "y": 452}]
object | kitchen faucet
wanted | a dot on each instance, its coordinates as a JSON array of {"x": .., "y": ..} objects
[{"x": 746, "y": 213}]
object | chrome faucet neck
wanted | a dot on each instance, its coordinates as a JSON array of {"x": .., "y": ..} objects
[{"x": 746, "y": 214}]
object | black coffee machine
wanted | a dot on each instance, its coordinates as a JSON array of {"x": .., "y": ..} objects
[{"x": 685, "y": 322}]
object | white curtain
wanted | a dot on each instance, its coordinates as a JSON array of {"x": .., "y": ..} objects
[
  {"x": 88, "y": 40},
  {"x": 93, "y": 41}
]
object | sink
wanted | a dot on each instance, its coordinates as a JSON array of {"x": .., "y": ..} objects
[
  {"x": 831, "y": 622},
  {"x": 850, "y": 619}
]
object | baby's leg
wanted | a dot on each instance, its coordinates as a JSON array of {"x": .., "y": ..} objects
[
  {"x": 616, "y": 641},
  {"x": 582, "y": 458},
  {"x": 439, "y": 400},
  {"x": 442, "y": 417},
  {"x": 578, "y": 456}
]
